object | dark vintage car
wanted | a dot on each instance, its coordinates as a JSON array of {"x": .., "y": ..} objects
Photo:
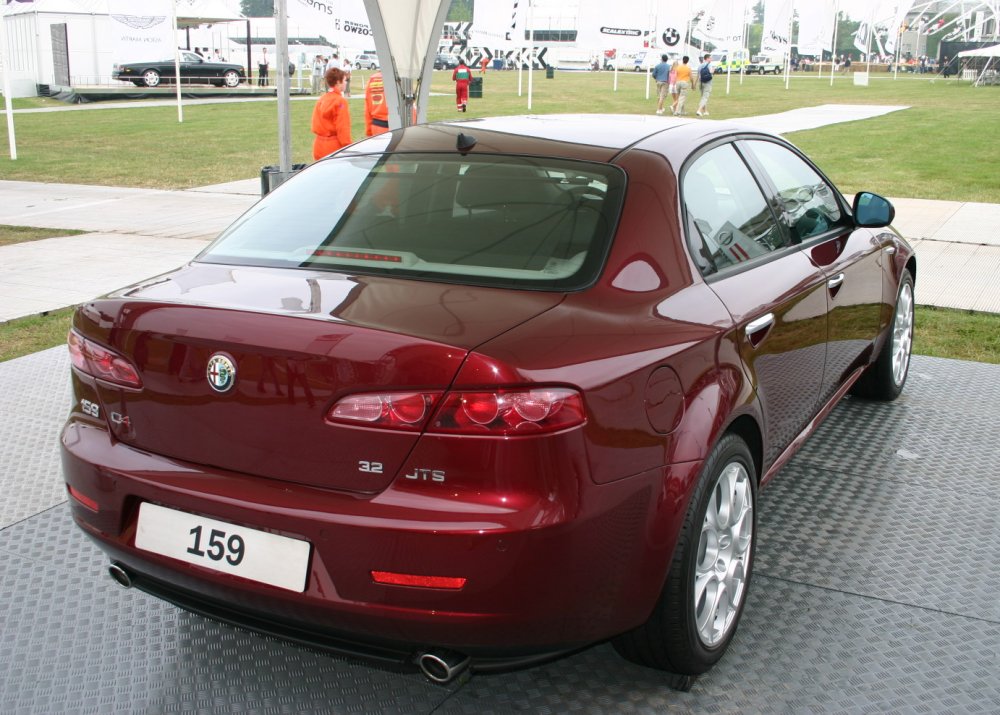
[
  {"x": 445, "y": 61},
  {"x": 194, "y": 69},
  {"x": 478, "y": 393}
]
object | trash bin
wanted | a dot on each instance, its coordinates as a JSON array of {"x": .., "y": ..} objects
[
  {"x": 497, "y": 63},
  {"x": 550, "y": 72},
  {"x": 271, "y": 177},
  {"x": 476, "y": 88}
]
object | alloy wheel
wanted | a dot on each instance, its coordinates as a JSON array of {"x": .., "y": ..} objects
[
  {"x": 902, "y": 334},
  {"x": 724, "y": 552}
]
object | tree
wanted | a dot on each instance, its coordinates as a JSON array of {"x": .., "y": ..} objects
[
  {"x": 257, "y": 8},
  {"x": 460, "y": 11}
]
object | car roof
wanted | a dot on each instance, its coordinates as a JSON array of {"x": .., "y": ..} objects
[{"x": 590, "y": 137}]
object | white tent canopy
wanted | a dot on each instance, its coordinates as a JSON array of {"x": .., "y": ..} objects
[{"x": 993, "y": 51}]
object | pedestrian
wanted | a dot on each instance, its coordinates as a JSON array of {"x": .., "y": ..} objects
[
  {"x": 673, "y": 85},
  {"x": 219, "y": 57},
  {"x": 347, "y": 77},
  {"x": 331, "y": 120},
  {"x": 376, "y": 109},
  {"x": 704, "y": 84},
  {"x": 483, "y": 63},
  {"x": 661, "y": 75},
  {"x": 318, "y": 70},
  {"x": 462, "y": 76},
  {"x": 262, "y": 69},
  {"x": 683, "y": 84},
  {"x": 333, "y": 63}
]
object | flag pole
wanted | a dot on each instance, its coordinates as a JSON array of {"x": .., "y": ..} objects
[
  {"x": 788, "y": 54},
  {"x": 177, "y": 67},
  {"x": 8, "y": 102},
  {"x": 833, "y": 52}
]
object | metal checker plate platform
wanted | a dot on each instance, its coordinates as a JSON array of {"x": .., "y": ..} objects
[{"x": 876, "y": 589}]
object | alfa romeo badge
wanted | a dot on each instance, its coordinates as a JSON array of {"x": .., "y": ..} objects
[{"x": 221, "y": 373}]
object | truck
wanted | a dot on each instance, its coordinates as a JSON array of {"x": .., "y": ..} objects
[{"x": 764, "y": 64}]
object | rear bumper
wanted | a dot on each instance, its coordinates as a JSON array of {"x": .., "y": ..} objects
[{"x": 583, "y": 564}]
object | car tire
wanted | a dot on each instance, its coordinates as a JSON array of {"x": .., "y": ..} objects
[
  {"x": 357, "y": 66},
  {"x": 151, "y": 78},
  {"x": 231, "y": 78},
  {"x": 694, "y": 620},
  {"x": 885, "y": 378}
]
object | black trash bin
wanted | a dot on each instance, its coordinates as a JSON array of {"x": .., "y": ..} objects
[
  {"x": 271, "y": 178},
  {"x": 550, "y": 72},
  {"x": 476, "y": 88}
]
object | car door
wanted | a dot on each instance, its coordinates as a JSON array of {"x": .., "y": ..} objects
[
  {"x": 774, "y": 292},
  {"x": 850, "y": 257}
]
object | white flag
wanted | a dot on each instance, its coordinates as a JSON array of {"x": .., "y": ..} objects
[
  {"x": 777, "y": 20},
  {"x": 343, "y": 23},
  {"x": 892, "y": 35},
  {"x": 721, "y": 23},
  {"x": 815, "y": 27},
  {"x": 142, "y": 32},
  {"x": 671, "y": 25},
  {"x": 627, "y": 26}
]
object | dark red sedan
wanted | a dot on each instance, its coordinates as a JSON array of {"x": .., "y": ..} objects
[{"x": 487, "y": 390}]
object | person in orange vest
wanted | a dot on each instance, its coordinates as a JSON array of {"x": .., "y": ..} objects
[
  {"x": 483, "y": 64},
  {"x": 331, "y": 121},
  {"x": 376, "y": 109},
  {"x": 461, "y": 77}
]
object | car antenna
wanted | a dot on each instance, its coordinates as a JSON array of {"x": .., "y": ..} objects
[{"x": 465, "y": 143}]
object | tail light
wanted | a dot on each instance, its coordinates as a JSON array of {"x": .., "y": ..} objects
[
  {"x": 97, "y": 361},
  {"x": 390, "y": 410},
  {"x": 488, "y": 413}
]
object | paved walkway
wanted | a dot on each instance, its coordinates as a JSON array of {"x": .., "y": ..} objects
[{"x": 134, "y": 234}]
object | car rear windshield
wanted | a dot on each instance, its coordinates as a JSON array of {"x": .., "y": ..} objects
[{"x": 505, "y": 221}]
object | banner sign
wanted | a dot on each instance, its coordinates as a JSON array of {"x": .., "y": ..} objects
[{"x": 142, "y": 32}]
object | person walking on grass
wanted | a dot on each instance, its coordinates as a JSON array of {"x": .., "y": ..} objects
[
  {"x": 331, "y": 120},
  {"x": 661, "y": 75},
  {"x": 682, "y": 85},
  {"x": 462, "y": 76},
  {"x": 704, "y": 84}
]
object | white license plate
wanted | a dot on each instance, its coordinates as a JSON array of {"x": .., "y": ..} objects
[{"x": 238, "y": 550}]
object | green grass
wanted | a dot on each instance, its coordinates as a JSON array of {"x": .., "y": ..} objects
[
  {"x": 959, "y": 334},
  {"x": 20, "y": 234},
  {"x": 37, "y": 332},
  {"x": 941, "y": 148},
  {"x": 938, "y": 332}
]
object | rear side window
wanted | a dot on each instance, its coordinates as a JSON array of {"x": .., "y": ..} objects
[{"x": 522, "y": 222}]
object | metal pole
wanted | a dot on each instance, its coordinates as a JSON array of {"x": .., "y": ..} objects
[
  {"x": 249, "y": 57},
  {"x": 177, "y": 69},
  {"x": 531, "y": 51},
  {"x": 833, "y": 53},
  {"x": 788, "y": 54},
  {"x": 284, "y": 113},
  {"x": 8, "y": 104}
]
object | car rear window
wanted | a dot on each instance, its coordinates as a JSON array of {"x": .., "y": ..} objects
[{"x": 506, "y": 221}]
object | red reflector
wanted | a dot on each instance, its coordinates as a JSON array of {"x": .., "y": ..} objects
[
  {"x": 358, "y": 256},
  {"x": 405, "y": 579},
  {"x": 85, "y": 500}
]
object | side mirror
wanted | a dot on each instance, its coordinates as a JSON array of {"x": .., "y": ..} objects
[{"x": 872, "y": 211}]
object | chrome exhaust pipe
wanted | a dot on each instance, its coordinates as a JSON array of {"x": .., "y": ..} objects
[
  {"x": 442, "y": 666},
  {"x": 120, "y": 575}
]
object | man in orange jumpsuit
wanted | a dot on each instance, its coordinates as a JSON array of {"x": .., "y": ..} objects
[
  {"x": 331, "y": 121},
  {"x": 461, "y": 77},
  {"x": 376, "y": 109}
]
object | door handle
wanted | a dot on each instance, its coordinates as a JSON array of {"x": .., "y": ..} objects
[
  {"x": 757, "y": 329},
  {"x": 835, "y": 281}
]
